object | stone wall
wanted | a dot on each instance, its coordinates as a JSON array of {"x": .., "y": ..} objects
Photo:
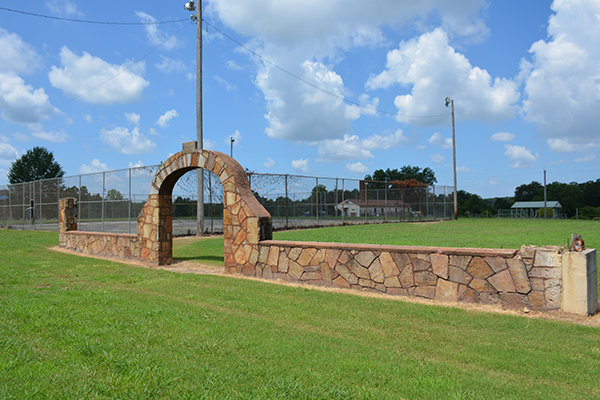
[
  {"x": 517, "y": 279},
  {"x": 532, "y": 278}
]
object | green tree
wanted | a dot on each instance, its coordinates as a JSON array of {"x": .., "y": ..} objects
[
  {"x": 529, "y": 192},
  {"x": 114, "y": 194},
  {"x": 36, "y": 164},
  {"x": 425, "y": 175},
  {"x": 591, "y": 193}
]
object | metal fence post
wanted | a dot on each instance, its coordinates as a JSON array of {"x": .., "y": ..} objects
[
  {"x": 287, "y": 203},
  {"x": 103, "y": 192},
  {"x": 343, "y": 204},
  {"x": 129, "y": 202},
  {"x": 79, "y": 205},
  {"x": 317, "y": 201}
]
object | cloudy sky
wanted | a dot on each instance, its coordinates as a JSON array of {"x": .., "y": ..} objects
[{"x": 335, "y": 88}]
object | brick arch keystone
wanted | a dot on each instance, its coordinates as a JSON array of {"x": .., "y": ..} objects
[{"x": 245, "y": 220}]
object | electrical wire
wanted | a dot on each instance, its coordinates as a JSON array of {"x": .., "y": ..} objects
[
  {"x": 344, "y": 99},
  {"x": 89, "y": 21}
]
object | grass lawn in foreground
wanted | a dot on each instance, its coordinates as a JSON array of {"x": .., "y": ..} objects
[{"x": 75, "y": 327}]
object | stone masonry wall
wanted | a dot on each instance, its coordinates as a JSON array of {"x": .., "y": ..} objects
[{"x": 515, "y": 279}]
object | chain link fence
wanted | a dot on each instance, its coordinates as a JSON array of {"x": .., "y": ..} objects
[{"x": 110, "y": 201}]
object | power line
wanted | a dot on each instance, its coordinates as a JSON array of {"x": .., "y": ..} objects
[
  {"x": 318, "y": 87},
  {"x": 91, "y": 22}
]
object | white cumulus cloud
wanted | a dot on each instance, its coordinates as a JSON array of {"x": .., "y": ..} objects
[
  {"x": 21, "y": 103},
  {"x": 416, "y": 63},
  {"x": 562, "y": 81},
  {"x": 7, "y": 152},
  {"x": 437, "y": 158},
  {"x": 16, "y": 56},
  {"x": 95, "y": 166},
  {"x": 270, "y": 163},
  {"x": 155, "y": 35},
  {"x": 357, "y": 168},
  {"x": 520, "y": 157},
  {"x": 123, "y": 141},
  {"x": 96, "y": 81},
  {"x": 352, "y": 147},
  {"x": 163, "y": 120},
  {"x": 502, "y": 137},
  {"x": 437, "y": 139},
  {"x": 54, "y": 137},
  {"x": 301, "y": 165},
  {"x": 133, "y": 118}
]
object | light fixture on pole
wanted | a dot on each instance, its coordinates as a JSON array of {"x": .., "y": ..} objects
[
  {"x": 191, "y": 6},
  {"x": 451, "y": 102},
  {"x": 232, "y": 140}
]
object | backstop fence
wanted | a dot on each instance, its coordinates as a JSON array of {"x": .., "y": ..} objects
[{"x": 110, "y": 201}]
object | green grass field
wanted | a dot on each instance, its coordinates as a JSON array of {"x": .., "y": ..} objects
[{"x": 75, "y": 327}]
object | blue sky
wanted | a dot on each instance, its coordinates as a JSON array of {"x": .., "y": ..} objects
[{"x": 524, "y": 76}]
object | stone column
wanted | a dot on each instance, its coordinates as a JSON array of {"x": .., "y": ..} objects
[
  {"x": 67, "y": 219},
  {"x": 580, "y": 282}
]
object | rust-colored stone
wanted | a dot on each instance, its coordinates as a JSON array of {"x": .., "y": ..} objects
[
  {"x": 407, "y": 277},
  {"x": 425, "y": 291},
  {"x": 439, "y": 265},
  {"x": 537, "y": 301},
  {"x": 514, "y": 301},
  {"x": 519, "y": 274},
  {"x": 420, "y": 265},
  {"x": 460, "y": 261},
  {"x": 496, "y": 263},
  {"x": 340, "y": 282},
  {"x": 376, "y": 271},
  {"x": 481, "y": 285},
  {"x": 446, "y": 291},
  {"x": 502, "y": 281},
  {"x": 392, "y": 282},
  {"x": 402, "y": 260},
  {"x": 396, "y": 291},
  {"x": 365, "y": 258},
  {"x": 425, "y": 278},
  {"x": 478, "y": 268},
  {"x": 357, "y": 269},
  {"x": 388, "y": 265},
  {"x": 346, "y": 273}
]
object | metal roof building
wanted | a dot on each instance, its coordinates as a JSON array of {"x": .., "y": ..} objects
[{"x": 531, "y": 209}]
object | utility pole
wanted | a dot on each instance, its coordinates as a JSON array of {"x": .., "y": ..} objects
[
  {"x": 190, "y": 6},
  {"x": 451, "y": 102},
  {"x": 545, "y": 201},
  {"x": 231, "y": 151}
]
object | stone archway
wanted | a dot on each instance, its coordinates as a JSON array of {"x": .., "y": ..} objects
[{"x": 245, "y": 221}]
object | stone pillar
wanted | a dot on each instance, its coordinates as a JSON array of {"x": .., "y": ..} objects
[
  {"x": 67, "y": 219},
  {"x": 580, "y": 282}
]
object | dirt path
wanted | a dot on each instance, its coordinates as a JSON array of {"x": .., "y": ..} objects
[{"x": 194, "y": 267}]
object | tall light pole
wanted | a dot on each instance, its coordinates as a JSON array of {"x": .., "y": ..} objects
[
  {"x": 451, "y": 102},
  {"x": 190, "y": 6},
  {"x": 232, "y": 140}
]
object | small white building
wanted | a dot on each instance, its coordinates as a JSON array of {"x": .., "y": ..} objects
[{"x": 373, "y": 207}]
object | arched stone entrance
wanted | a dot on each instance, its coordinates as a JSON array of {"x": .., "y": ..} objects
[{"x": 245, "y": 221}]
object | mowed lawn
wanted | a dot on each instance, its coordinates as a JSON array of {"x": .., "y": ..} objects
[{"x": 75, "y": 327}]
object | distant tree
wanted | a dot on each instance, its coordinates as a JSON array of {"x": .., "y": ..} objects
[
  {"x": 469, "y": 203},
  {"x": 36, "y": 164},
  {"x": 529, "y": 192},
  {"x": 591, "y": 193},
  {"x": 408, "y": 172},
  {"x": 569, "y": 195},
  {"x": 114, "y": 194}
]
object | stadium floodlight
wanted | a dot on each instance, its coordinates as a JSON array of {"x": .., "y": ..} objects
[{"x": 190, "y": 6}]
